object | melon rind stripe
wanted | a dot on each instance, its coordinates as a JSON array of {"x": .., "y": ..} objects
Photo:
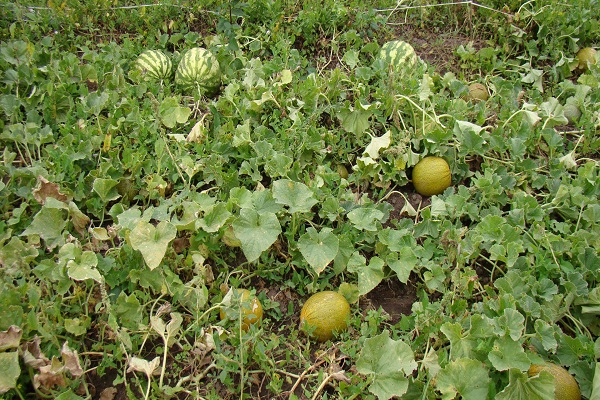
[
  {"x": 398, "y": 54},
  {"x": 155, "y": 64},
  {"x": 198, "y": 68}
]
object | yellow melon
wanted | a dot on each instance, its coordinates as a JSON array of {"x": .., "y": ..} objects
[
  {"x": 324, "y": 314},
  {"x": 431, "y": 176},
  {"x": 565, "y": 386},
  {"x": 244, "y": 304},
  {"x": 585, "y": 57}
]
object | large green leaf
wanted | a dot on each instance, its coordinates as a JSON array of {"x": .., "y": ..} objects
[
  {"x": 389, "y": 362},
  {"x": 296, "y": 195},
  {"x": 318, "y": 248},
  {"x": 522, "y": 387},
  {"x": 508, "y": 354},
  {"x": 369, "y": 276},
  {"x": 465, "y": 377},
  {"x": 84, "y": 267},
  {"x": 257, "y": 232},
  {"x": 152, "y": 241},
  {"x": 9, "y": 370},
  {"x": 171, "y": 112},
  {"x": 48, "y": 224}
]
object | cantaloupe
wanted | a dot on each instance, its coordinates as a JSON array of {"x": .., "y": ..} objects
[
  {"x": 585, "y": 57},
  {"x": 431, "y": 176},
  {"x": 565, "y": 386},
  {"x": 324, "y": 314},
  {"x": 241, "y": 303},
  {"x": 478, "y": 91}
]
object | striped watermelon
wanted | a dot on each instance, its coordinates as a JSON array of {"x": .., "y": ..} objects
[
  {"x": 199, "y": 69},
  {"x": 154, "y": 64},
  {"x": 398, "y": 55}
]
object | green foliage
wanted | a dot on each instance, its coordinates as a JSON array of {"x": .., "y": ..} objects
[{"x": 129, "y": 208}]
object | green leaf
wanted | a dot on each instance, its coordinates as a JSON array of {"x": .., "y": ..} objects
[
  {"x": 48, "y": 224},
  {"x": 9, "y": 370},
  {"x": 511, "y": 322},
  {"x": 508, "y": 354},
  {"x": 214, "y": 218},
  {"x": 596, "y": 382},
  {"x": 378, "y": 143},
  {"x": 152, "y": 241},
  {"x": 296, "y": 195},
  {"x": 257, "y": 232},
  {"x": 462, "y": 344},
  {"x": 84, "y": 267},
  {"x": 171, "y": 112},
  {"x": 318, "y": 248},
  {"x": 465, "y": 377},
  {"x": 402, "y": 263},
  {"x": 106, "y": 189},
  {"x": 366, "y": 218},
  {"x": 369, "y": 276},
  {"x": 68, "y": 395},
  {"x": 522, "y": 387},
  {"x": 389, "y": 361},
  {"x": 355, "y": 120}
]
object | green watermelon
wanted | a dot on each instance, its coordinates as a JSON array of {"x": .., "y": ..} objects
[
  {"x": 154, "y": 64},
  {"x": 199, "y": 69},
  {"x": 398, "y": 55}
]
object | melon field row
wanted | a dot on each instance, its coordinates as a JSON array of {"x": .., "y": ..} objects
[{"x": 299, "y": 200}]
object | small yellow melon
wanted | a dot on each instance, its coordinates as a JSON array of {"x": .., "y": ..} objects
[
  {"x": 478, "y": 91},
  {"x": 431, "y": 176},
  {"x": 586, "y": 56},
  {"x": 323, "y": 314},
  {"x": 565, "y": 386},
  {"x": 244, "y": 302}
]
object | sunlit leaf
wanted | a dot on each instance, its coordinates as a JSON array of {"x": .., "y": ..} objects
[
  {"x": 296, "y": 195},
  {"x": 522, "y": 387},
  {"x": 465, "y": 377},
  {"x": 318, "y": 248},
  {"x": 84, "y": 267},
  {"x": 48, "y": 224},
  {"x": 389, "y": 361},
  {"x": 9, "y": 370},
  {"x": 257, "y": 232},
  {"x": 172, "y": 113},
  {"x": 152, "y": 241},
  {"x": 369, "y": 276}
]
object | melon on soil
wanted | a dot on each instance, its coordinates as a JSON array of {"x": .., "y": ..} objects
[
  {"x": 154, "y": 64},
  {"x": 199, "y": 69},
  {"x": 244, "y": 304},
  {"x": 565, "y": 386},
  {"x": 431, "y": 176},
  {"x": 324, "y": 314}
]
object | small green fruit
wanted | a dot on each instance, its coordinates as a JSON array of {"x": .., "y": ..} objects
[
  {"x": 585, "y": 57},
  {"x": 478, "y": 91},
  {"x": 247, "y": 304},
  {"x": 571, "y": 111}
]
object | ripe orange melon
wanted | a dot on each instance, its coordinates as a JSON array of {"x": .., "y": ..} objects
[
  {"x": 431, "y": 176},
  {"x": 244, "y": 303},
  {"x": 586, "y": 56},
  {"x": 478, "y": 91},
  {"x": 565, "y": 386},
  {"x": 323, "y": 314}
]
